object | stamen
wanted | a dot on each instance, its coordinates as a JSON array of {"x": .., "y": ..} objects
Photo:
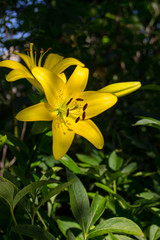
[
  {"x": 79, "y": 99},
  {"x": 85, "y": 106},
  {"x": 77, "y": 119},
  {"x": 67, "y": 112},
  {"x": 83, "y": 115},
  {"x": 69, "y": 101},
  {"x": 42, "y": 51}
]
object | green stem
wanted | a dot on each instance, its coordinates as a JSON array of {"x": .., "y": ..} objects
[
  {"x": 41, "y": 219},
  {"x": 114, "y": 186},
  {"x": 15, "y": 222}
]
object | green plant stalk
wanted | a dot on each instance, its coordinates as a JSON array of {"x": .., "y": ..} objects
[{"x": 15, "y": 222}]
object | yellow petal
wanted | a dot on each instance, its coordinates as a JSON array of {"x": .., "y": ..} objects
[
  {"x": 62, "y": 139},
  {"x": 77, "y": 81},
  {"x": 63, "y": 77},
  {"x": 52, "y": 85},
  {"x": 37, "y": 112},
  {"x": 12, "y": 64},
  {"x": 18, "y": 74},
  {"x": 51, "y": 60},
  {"x": 65, "y": 63},
  {"x": 121, "y": 89},
  {"x": 26, "y": 59},
  {"x": 97, "y": 102},
  {"x": 90, "y": 131}
]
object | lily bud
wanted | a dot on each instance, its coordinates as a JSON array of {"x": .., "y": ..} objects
[{"x": 121, "y": 89}]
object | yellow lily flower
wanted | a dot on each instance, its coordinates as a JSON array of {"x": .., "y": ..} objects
[
  {"x": 69, "y": 108},
  {"x": 121, "y": 89},
  {"x": 53, "y": 62}
]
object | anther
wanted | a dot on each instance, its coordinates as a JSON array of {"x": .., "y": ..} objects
[
  {"x": 27, "y": 49},
  {"x": 77, "y": 119},
  {"x": 85, "y": 106},
  {"x": 67, "y": 112},
  {"x": 79, "y": 99},
  {"x": 42, "y": 51},
  {"x": 69, "y": 101},
  {"x": 83, "y": 115}
]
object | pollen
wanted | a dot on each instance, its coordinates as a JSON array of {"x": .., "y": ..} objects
[
  {"x": 83, "y": 115},
  {"x": 67, "y": 112},
  {"x": 79, "y": 99}
]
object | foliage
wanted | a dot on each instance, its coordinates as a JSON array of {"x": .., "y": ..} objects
[{"x": 110, "y": 194}]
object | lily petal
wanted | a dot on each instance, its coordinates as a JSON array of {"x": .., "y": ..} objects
[
  {"x": 18, "y": 74},
  {"x": 53, "y": 86},
  {"x": 121, "y": 89},
  {"x": 78, "y": 80},
  {"x": 51, "y": 60},
  {"x": 12, "y": 64},
  {"x": 37, "y": 112},
  {"x": 63, "y": 77},
  {"x": 97, "y": 102},
  {"x": 65, "y": 63},
  {"x": 90, "y": 131},
  {"x": 62, "y": 139},
  {"x": 26, "y": 59}
]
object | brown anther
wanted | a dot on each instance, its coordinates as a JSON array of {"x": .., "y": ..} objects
[
  {"x": 83, "y": 115},
  {"x": 42, "y": 51},
  {"x": 77, "y": 119},
  {"x": 67, "y": 114},
  {"x": 27, "y": 49},
  {"x": 49, "y": 49},
  {"x": 85, "y": 106},
  {"x": 35, "y": 52},
  {"x": 69, "y": 101},
  {"x": 79, "y": 99}
]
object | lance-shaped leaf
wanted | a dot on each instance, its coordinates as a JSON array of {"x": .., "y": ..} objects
[
  {"x": 97, "y": 208},
  {"x": 53, "y": 192},
  {"x": 115, "y": 225},
  {"x": 79, "y": 202},
  {"x": 70, "y": 236},
  {"x": 7, "y": 192},
  {"x": 34, "y": 232},
  {"x": 29, "y": 188}
]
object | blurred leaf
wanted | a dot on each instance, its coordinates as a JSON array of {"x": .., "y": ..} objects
[
  {"x": 115, "y": 225},
  {"x": 40, "y": 127},
  {"x": 70, "y": 236},
  {"x": 154, "y": 232},
  {"x": 33, "y": 232},
  {"x": 146, "y": 121},
  {"x": 153, "y": 87},
  {"x": 79, "y": 201},
  {"x": 70, "y": 164},
  {"x": 114, "y": 161},
  {"x": 148, "y": 195}
]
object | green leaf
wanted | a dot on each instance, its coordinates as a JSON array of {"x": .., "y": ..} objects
[
  {"x": 97, "y": 208},
  {"x": 89, "y": 160},
  {"x": 70, "y": 164},
  {"x": 118, "y": 237},
  {"x": 29, "y": 188},
  {"x": 148, "y": 195},
  {"x": 33, "y": 232},
  {"x": 114, "y": 161},
  {"x": 17, "y": 142},
  {"x": 66, "y": 224},
  {"x": 150, "y": 122},
  {"x": 79, "y": 202},
  {"x": 154, "y": 87},
  {"x": 53, "y": 192},
  {"x": 70, "y": 236},
  {"x": 40, "y": 127},
  {"x": 115, "y": 225},
  {"x": 7, "y": 192},
  {"x": 154, "y": 232}
]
